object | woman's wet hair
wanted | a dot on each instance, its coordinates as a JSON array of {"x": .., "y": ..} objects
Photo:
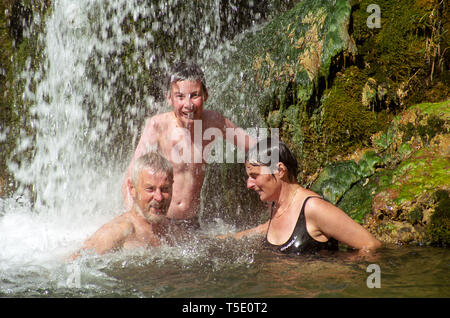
[
  {"x": 268, "y": 152},
  {"x": 152, "y": 160},
  {"x": 185, "y": 71}
]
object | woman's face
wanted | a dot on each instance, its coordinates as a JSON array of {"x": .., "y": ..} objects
[{"x": 261, "y": 180}]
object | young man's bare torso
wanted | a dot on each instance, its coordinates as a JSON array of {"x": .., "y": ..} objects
[
  {"x": 164, "y": 133},
  {"x": 179, "y": 136}
]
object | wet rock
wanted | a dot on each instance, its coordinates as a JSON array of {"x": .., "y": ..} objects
[
  {"x": 2, "y": 187},
  {"x": 438, "y": 229}
]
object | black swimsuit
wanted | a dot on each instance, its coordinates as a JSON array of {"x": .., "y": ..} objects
[{"x": 300, "y": 240}]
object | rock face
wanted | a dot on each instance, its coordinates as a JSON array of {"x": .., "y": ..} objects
[
  {"x": 399, "y": 189},
  {"x": 280, "y": 65}
]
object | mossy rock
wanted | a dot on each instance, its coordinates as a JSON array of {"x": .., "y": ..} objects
[
  {"x": 391, "y": 183},
  {"x": 399, "y": 53},
  {"x": 441, "y": 109},
  {"x": 357, "y": 201},
  {"x": 337, "y": 178},
  {"x": 345, "y": 121},
  {"x": 392, "y": 69},
  {"x": 422, "y": 172},
  {"x": 17, "y": 50},
  {"x": 439, "y": 227}
]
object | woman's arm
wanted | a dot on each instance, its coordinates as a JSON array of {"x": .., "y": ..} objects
[
  {"x": 325, "y": 219},
  {"x": 258, "y": 230}
]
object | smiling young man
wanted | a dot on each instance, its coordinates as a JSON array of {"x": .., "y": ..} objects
[
  {"x": 179, "y": 136},
  {"x": 145, "y": 224}
]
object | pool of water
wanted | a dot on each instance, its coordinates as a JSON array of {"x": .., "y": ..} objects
[{"x": 212, "y": 268}]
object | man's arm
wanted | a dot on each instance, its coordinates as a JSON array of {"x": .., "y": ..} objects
[{"x": 109, "y": 237}]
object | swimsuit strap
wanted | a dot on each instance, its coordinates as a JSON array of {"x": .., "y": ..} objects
[{"x": 301, "y": 211}]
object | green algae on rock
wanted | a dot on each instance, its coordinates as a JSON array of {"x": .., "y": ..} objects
[{"x": 391, "y": 188}]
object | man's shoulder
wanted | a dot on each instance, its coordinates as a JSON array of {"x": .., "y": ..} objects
[
  {"x": 122, "y": 224},
  {"x": 211, "y": 113}
]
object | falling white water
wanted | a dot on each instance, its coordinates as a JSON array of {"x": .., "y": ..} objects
[{"x": 72, "y": 189}]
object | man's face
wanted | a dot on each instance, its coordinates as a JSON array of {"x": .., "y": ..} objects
[
  {"x": 187, "y": 98},
  {"x": 152, "y": 194}
]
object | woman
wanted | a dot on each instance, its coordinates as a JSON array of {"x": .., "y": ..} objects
[{"x": 300, "y": 221}]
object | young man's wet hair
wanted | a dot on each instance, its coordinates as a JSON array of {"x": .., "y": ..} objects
[{"x": 185, "y": 71}]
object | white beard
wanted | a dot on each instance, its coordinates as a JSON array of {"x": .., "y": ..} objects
[{"x": 152, "y": 219}]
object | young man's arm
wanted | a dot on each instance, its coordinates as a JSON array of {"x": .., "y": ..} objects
[{"x": 233, "y": 134}]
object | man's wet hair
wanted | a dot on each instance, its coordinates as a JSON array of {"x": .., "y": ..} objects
[
  {"x": 185, "y": 71},
  {"x": 152, "y": 160},
  {"x": 265, "y": 150}
]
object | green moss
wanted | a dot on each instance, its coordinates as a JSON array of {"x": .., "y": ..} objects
[
  {"x": 419, "y": 174},
  {"x": 367, "y": 164},
  {"x": 425, "y": 129},
  {"x": 400, "y": 53},
  {"x": 385, "y": 139},
  {"x": 335, "y": 180},
  {"x": 441, "y": 109},
  {"x": 415, "y": 216},
  {"x": 346, "y": 123},
  {"x": 338, "y": 178}
]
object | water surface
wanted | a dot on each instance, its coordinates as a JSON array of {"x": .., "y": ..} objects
[{"x": 208, "y": 267}]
